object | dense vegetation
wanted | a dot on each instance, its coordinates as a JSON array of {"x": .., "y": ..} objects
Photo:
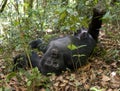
[{"x": 24, "y": 20}]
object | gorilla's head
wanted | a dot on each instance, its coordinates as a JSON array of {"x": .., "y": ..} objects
[{"x": 53, "y": 60}]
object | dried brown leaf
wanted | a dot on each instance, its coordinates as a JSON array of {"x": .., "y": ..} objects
[
  {"x": 63, "y": 84},
  {"x": 56, "y": 84},
  {"x": 59, "y": 78},
  {"x": 105, "y": 78}
]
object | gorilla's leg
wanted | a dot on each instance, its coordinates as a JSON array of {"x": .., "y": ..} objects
[{"x": 96, "y": 22}]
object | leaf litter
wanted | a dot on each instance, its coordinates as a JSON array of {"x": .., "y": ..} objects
[{"x": 97, "y": 75}]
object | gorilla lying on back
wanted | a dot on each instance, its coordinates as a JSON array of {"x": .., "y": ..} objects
[{"x": 67, "y": 52}]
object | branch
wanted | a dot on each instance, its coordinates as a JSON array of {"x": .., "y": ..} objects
[{"x": 3, "y": 6}]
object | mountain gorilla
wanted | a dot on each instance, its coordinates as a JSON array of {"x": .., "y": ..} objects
[{"x": 70, "y": 51}]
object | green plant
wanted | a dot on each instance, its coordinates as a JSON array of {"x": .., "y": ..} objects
[
  {"x": 35, "y": 79},
  {"x": 72, "y": 47},
  {"x": 95, "y": 89}
]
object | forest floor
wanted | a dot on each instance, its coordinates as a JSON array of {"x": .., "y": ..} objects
[{"x": 102, "y": 73}]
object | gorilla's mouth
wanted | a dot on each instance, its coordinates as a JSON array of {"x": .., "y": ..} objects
[
  {"x": 52, "y": 65},
  {"x": 46, "y": 70}
]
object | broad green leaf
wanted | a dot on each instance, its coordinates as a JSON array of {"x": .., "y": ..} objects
[
  {"x": 29, "y": 83},
  {"x": 72, "y": 47},
  {"x": 63, "y": 15}
]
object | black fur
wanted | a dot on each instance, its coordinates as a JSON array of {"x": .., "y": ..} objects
[
  {"x": 67, "y": 52},
  {"x": 38, "y": 44},
  {"x": 23, "y": 61},
  {"x": 96, "y": 22}
]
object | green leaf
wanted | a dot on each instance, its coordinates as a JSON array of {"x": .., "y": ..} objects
[
  {"x": 10, "y": 75},
  {"x": 72, "y": 47},
  {"x": 60, "y": 10},
  {"x": 63, "y": 15},
  {"x": 70, "y": 11},
  {"x": 81, "y": 46},
  {"x": 95, "y": 89},
  {"x": 107, "y": 16},
  {"x": 29, "y": 83},
  {"x": 79, "y": 55}
]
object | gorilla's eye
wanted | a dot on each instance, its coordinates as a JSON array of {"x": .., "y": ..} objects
[{"x": 54, "y": 53}]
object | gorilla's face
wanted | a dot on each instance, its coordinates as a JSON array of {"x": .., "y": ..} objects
[{"x": 53, "y": 59}]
